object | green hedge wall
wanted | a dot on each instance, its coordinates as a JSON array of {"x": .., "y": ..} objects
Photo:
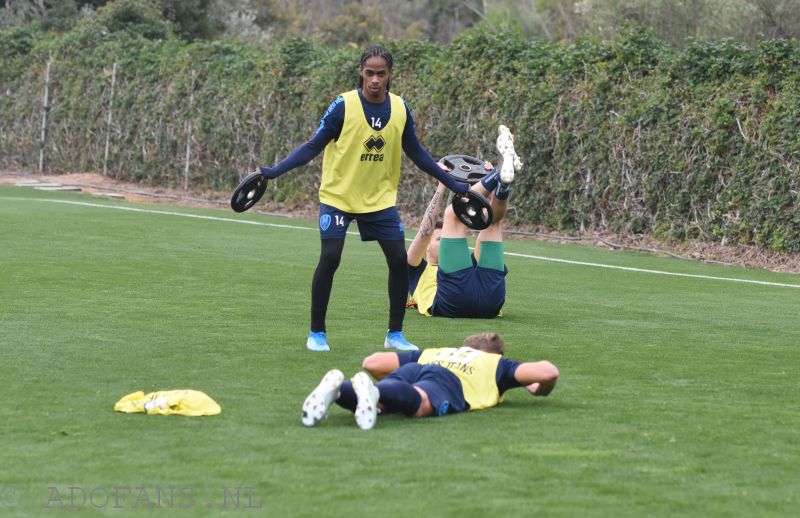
[{"x": 627, "y": 135}]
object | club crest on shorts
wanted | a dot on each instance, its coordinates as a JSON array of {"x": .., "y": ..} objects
[{"x": 325, "y": 222}]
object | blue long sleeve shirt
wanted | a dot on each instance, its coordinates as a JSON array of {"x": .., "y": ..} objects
[{"x": 330, "y": 127}]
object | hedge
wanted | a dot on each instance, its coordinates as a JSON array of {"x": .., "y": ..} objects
[{"x": 628, "y": 135}]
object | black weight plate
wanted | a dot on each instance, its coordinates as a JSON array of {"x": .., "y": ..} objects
[
  {"x": 465, "y": 168},
  {"x": 249, "y": 191},
  {"x": 473, "y": 209}
]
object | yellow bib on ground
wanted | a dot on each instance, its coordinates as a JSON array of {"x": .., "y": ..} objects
[
  {"x": 169, "y": 402},
  {"x": 477, "y": 371},
  {"x": 361, "y": 169},
  {"x": 425, "y": 291}
]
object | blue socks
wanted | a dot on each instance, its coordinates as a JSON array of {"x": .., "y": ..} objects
[
  {"x": 491, "y": 180},
  {"x": 347, "y": 396},
  {"x": 492, "y": 183},
  {"x": 502, "y": 192}
]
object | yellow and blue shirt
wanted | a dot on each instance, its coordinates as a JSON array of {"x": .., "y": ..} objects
[
  {"x": 422, "y": 286},
  {"x": 361, "y": 169},
  {"x": 475, "y": 292},
  {"x": 384, "y": 129},
  {"x": 484, "y": 377}
]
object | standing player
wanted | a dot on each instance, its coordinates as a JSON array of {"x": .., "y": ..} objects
[
  {"x": 363, "y": 133},
  {"x": 445, "y": 278}
]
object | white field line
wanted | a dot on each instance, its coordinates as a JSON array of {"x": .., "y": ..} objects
[
  {"x": 657, "y": 272},
  {"x": 513, "y": 254}
]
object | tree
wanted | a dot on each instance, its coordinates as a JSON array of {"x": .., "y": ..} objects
[
  {"x": 776, "y": 18},
  {"x": 357, "y": 25},
  {"x": 193, "y": 18},
  {"x": 142, "y": 17}
]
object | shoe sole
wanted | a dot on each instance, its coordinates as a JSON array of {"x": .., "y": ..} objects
[
  {"x": 316, "y": 405},
  {"x": 367, "y": 407},
  {"x": 505, "y": 145},
  {"x": 507, "y": 171},
  {"x": 402, "y": 348},
  {"x": 322, "y": 350},
  {"x": 312, "y": 346}
]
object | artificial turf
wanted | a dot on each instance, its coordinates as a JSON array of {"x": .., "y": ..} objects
[{"x": 678, "y": 395}]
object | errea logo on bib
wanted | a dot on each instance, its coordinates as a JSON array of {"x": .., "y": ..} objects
[{"x": 373, "y": 145}]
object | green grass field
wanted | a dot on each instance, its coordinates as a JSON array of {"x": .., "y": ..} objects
[{"x": 678, "y": 394}]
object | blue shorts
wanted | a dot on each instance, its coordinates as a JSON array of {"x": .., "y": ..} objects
[
  {"x": 442, "y": 386},
  {"x": 474, "y": 292},
  {"x": 380, "y": 225}
]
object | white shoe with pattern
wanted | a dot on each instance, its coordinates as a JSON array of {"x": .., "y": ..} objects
[
  {"x": 316, "y": 405},
  {"x": 511, "y": 162},
  {"x": 367, "y": 407}
]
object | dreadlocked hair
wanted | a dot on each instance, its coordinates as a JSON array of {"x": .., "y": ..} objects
[{"x": 372, "y": 52}]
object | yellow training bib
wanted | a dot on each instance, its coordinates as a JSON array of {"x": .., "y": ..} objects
[
  {"x": 361, "y": 170},
  {"x": 425, "y": 291},
  {"x": 169, "y": 402},
  {"x": 477, "y": 371}
]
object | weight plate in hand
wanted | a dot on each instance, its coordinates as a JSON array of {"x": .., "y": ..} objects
[
  {"x": 249, "y": 191},
  {"x": 465, "y": 168}
]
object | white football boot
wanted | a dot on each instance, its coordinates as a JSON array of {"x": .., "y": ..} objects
[
  {"x": 316, "y": 405},
  {"x": 367, "y": 407},
  {"x": 511, "y": 162}
]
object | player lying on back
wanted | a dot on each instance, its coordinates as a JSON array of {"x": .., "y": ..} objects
[{"x": 445, "y": 279}]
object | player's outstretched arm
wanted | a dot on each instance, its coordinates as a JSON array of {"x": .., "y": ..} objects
[
  {"x": 381, "y": 365},
  {"x": 330, "y": 127},
  {"x": 422, "y": 159},
  {"x": 426, "y": 226},
  {"x": 539, "y": 378},
  {"x": 301, "y": 155}
]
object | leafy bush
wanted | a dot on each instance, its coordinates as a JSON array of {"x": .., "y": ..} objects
[{"x": 629, "y": 135}]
